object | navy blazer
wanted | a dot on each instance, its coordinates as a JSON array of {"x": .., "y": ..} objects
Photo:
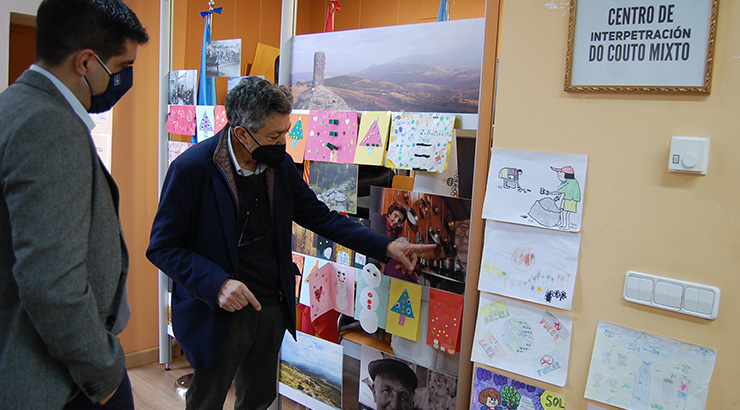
[{"x": 194, "y": 239}]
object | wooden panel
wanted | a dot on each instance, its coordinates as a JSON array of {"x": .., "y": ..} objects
[
  {"x": 378, "y": 13},
  {"x": 21, "y": 50}
]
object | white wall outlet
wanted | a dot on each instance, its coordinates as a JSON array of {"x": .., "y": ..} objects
[{"x": 689, "y": 154}]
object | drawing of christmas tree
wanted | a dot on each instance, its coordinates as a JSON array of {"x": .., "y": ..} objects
[
  {"x": 403, "y": 307},
  {"x": 372, "y": 138},
  {"x": 205, "y": 123},
  {"x": 296, "y": 133}
]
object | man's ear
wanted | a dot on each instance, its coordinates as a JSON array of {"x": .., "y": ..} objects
[{"x": 82, "y": 60}]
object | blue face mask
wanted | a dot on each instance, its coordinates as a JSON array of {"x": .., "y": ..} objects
[{"x": 118, "y": 85}]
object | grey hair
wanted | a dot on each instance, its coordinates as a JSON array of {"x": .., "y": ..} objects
[{"x": 253, "y": 99}]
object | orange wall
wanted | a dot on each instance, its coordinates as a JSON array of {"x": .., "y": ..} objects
[
  {"x": 253, "y": 21},
  {"x": 636, "y": 214},
  {"x": 356, "y": 14},
  {"x": 134, "y": 167}
]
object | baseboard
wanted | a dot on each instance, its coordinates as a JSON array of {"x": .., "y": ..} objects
[{"x": 142, "y": 357}]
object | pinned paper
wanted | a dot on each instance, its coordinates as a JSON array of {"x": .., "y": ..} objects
[
  {"x": 420, "y": 141},
  {"x": 631, "y": 369},
  {"x": 522, "y": 339},
  {"x": 372, "y": 137},
  {"x": 332, "y": 136},
  {"x": 533, "y": 264},
  {"x": 445, "y": 319},
  {"x": 404, "y": 304},
  {"x": 175, "y": 148},
  {"x": 332, "y": 287},
  {"x": 205, "y": 115},
  {"x": 299, "y": 260},
  {"x": 296, "y": 143},
  {"x": 181, "y": 119},
  {"x": 220, "y": 119},
  {"x": 494, "y": 391},
  {"x": 311, "y": 265},
  {"x": 371, "y": 302}
]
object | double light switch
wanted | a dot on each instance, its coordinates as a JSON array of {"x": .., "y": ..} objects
[{"x": 672, "y": 294}]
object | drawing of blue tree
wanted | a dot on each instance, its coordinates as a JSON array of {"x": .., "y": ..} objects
[{"x": 403, "y": 307}]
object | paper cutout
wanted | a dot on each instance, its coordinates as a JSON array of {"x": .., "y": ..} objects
[
  {"x": 324, "y": 247},
  {"x": 494, "y": 391},
  {"x": 445, "y": 318},
  {"x": 332, "y": 136},
  {"x": 205, "y": 115},
  {"x": 441, "y": 183},
  {"x": 522, "y": 339},
  {"x": 332, "y": 287},
  {"x": 403, "y": 314},
  {"x": 220, "y": 119},
  {"x": 539, "y": 189},
  {"x": 371, "y": 301},
  {"x": 537, "y": 265},
  {"x": 641, "y": 371},
  {"x": 310, "y": 266},
  {"x": 296, "y": 141},
  {"x": 372, "y": 137},
  {"x": 420, "y": 141},
  {"x": 181, "y": 119},
  {"x": 311, "y": 371}
]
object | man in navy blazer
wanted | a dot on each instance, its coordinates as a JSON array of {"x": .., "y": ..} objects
[{"x": 223, "y": 233}]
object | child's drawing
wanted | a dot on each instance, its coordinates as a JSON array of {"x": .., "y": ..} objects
[
  {"x": 533, "y": 264},
  {"x": 641, "y": 371},
  {"x": 420, "y": 141},
  {"x": 512, "y": 194},
  {"x": 492, "y": 391},
  {"x": 522, "y": 339},
  {"x": 332, "y": 136}
]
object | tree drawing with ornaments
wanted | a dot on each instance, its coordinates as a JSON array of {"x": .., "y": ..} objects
[
  {"x": 297, "y": 132},
  {"x": 372, "y": 138},
  {"x": 403, "y": 307},
  {"x": 205, "y": 123}
]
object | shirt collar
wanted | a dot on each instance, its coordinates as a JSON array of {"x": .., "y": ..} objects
[
  {"x": 239, "y": 170},
  {"x": 71, "y": 99}
]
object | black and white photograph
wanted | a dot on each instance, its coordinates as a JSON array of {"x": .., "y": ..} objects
[
  {"x": 387, "y": 382},
  {"x": 224, "y": 58},
  {"x": 183, "y": 87}
]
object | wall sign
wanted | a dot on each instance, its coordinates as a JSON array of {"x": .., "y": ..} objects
[{"x": 663, "y": 46}]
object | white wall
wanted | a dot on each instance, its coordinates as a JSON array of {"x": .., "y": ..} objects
[{"x": 6, "y": 7}]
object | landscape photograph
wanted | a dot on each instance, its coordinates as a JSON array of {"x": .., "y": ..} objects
[
  {"x": 428, "y": 67},
  {"x": 312, "y": 368}
]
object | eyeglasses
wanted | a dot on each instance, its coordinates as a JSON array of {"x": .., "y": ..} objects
[{"x": 250, "y": 236}]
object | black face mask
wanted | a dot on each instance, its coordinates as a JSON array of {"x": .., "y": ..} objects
[
  {"x": 270, "y": 155},
  {"x": 118, "y": 85}
]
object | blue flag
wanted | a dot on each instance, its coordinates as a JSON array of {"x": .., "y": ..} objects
[
  {"x": 444, "y": 10},
  {"x": 206, "y": 86}
]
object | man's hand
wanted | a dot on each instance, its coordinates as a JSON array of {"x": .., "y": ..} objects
[
  {"x": 406, "y": 253},
  {"x": 235, "y": 295}
]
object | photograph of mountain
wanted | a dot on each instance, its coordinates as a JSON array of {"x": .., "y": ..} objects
[
  {"x": 432, "y": 67},
  {"x": 311, "y": 369}
]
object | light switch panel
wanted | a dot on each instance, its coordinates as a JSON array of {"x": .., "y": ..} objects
[
  {"x": 672, "y": 294},
  {"x": 689, "y": 154}
]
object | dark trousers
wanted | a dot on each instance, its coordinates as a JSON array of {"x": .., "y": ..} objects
[
  {"x": 249, "y": 358},
  {"x": 123, "y": 399}
]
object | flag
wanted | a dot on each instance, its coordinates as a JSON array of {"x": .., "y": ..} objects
[
  {"x": 329, "y": 25},
  {"x": 206, "y": 86},
  {"x": 444, "y": 10}
]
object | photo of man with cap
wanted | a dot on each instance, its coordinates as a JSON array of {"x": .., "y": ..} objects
[{"x": 393, "y": 384}]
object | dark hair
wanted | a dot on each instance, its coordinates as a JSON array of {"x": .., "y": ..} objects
[
  {"x": 397, "y": 206},
  {"x": 253, "y": 99},
  {"x": 67, "y": 26}
]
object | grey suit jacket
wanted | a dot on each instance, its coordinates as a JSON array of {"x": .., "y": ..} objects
[{"x": 63, "y": 261}]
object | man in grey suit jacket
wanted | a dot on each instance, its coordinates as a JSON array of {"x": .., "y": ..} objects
[{"x": 63, "y": 261}]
